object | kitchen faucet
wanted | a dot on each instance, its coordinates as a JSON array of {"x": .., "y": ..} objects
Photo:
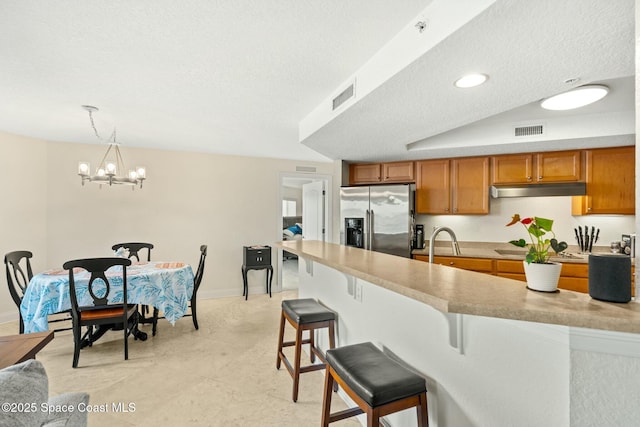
[{"x": 454, "y": 241}]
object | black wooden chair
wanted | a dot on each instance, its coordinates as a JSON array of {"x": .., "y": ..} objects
[
  {"x": 16, "y": 263},
  {"x": 197, "y": 279},
  {"x": 102, "y": 312},
  {"x": 134, "y": 249}
]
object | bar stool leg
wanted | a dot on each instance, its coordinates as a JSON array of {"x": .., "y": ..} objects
[
  {"x": 296, "y": 369},
  {"x": 280, "y": 340},
  {"x": 312, "y": 343},
  {"x": 423, "y": 417},
  {"x": 373, "y": 417},
  {"x": 326, "y": 401}
]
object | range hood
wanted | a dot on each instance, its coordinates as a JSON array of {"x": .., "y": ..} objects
[{"x": 539, "y": 190}]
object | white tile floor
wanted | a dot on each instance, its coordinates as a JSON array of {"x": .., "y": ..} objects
[{"x": 221, "y": 375}]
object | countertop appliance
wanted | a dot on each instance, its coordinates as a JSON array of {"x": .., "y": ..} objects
[{"x": 378, "y": 218}]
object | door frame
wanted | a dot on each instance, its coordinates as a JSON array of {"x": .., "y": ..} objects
[{"x": 328, "y": 209}]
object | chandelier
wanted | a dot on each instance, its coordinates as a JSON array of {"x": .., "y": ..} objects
[{"x": 111, "y": 168}]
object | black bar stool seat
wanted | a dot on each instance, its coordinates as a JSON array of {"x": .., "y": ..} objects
[
  {"x": 377, "y": 383},
  {"x": 307, "y": 310},
  {"x": 304, "y": 315}
]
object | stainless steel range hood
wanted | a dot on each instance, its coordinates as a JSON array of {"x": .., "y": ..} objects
[{"x": 539, "y": 190}]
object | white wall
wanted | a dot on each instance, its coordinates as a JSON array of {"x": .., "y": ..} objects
[
  {"x": 188, "y": 199},
  {"x": 511, "y": 373}
]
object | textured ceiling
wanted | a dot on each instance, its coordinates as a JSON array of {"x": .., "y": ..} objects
[
  {"x": 221, "y": 76},
  {"x": 527, "y": 48},
  {"x": 237, "y": 77}
]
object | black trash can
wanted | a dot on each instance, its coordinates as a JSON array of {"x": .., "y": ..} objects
[{"x": 610, "y": 277}]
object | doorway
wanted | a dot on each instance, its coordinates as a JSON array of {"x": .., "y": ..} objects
[{"x": 304, "y": 213}]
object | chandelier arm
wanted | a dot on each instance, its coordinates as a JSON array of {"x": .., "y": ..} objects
[
  {"x": 102, "y": 162},
  {"x": 120, "y": 161}
]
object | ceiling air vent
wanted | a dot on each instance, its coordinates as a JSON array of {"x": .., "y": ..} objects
[
  {"x": 346, "y": 95},
  {"x": 305, "y": 169},
  {"x": 533, "y": 130}
]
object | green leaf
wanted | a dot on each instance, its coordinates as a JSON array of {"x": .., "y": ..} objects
[
  {"x": 544, "y": 223},
  {"x": 558, "y": 246},
  {"x": 520, "y": 243}
]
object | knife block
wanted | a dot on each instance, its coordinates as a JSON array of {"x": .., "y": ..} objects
[{"x": 610, "y": 277}]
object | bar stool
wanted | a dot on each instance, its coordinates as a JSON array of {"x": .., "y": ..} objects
[
  {"x": 304, "y": 315},
  {"x": 378, "y": 384}
]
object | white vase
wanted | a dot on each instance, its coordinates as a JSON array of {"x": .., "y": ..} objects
[{"x": 542, "y": 277}]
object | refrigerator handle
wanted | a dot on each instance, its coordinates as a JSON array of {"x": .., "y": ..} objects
[
  {"x": 371, "y": 219},
  {"x": 367, "y": 227}
]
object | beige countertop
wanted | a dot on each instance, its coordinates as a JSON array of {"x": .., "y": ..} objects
[{"x": 452, "y": 290}]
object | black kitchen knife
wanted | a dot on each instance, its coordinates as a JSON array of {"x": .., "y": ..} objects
[
  {"x": 581, "y": 239},
  {"x": 577, "y": 237},
  {"x": 593, "y": 232},
  {"x": 586, "y": 239}
]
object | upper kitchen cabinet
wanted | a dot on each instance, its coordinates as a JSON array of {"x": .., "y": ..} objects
[
  {"x": 540, "y": 168},
  {"x": 376, "y": 173},
  {"x": 456, "y": 186},
  {"x": 610, "y": 177}
]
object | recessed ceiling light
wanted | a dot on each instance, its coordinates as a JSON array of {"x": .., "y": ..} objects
[
  {"x": 575, "y": 98},
  {"x": 471, "y": 80}
]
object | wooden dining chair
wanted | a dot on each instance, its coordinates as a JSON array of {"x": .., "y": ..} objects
[
  {"x": 102, "y": 311},
  {"x": 197, "y": 279},
  {"x": 134, "y": 249},
  {"x": 17, "y": 265}
]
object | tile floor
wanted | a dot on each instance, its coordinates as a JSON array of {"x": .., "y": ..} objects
[{"x": 221, "y": 375}]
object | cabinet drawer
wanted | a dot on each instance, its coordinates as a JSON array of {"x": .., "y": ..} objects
[
  {"x": 475, "y": 264},
  {"x": 257, "y": 257},
  {"x": 509, "y": 266}
]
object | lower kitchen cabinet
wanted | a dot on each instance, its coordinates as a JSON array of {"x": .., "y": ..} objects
[{"x": 573, "y": 277}]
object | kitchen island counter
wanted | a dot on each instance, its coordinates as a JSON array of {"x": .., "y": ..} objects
[{"x": 451, "y": 290}]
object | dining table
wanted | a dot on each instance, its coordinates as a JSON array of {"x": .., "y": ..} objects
[{"x": 167, "y": 286}]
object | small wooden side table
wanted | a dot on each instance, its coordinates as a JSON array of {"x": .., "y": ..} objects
[
  {"x": 256, "y": 258},
  {"x": 18, "y": 348}
]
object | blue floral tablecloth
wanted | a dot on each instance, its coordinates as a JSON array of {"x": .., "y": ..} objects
[{"x": 167, "y": 286}]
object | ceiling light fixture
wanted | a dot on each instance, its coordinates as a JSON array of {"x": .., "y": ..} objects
[
  {"x": 575, "y": 98},
  {"x": 470, "y": 80},
  {"x": 111, "y": 163}
]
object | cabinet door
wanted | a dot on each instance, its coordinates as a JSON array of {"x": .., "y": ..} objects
[
  {"x": 610, "y": 176},
  {"x": 470, "y": 185},
  {"x": 398, "y": 172},
  {"x": 512, "y": 169},
  {"x": 364, "y": 173},
  {"x": 558, "y": 166},
  {"x": 433, "y": 187}
]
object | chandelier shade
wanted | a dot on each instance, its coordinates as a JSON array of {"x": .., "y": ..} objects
[{"x": 111, "y": 169}]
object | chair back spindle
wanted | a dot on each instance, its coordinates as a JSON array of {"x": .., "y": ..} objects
[{"x": 134, "y": 249}]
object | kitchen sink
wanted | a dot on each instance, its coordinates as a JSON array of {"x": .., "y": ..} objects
[{"x": 517, "y": 252}]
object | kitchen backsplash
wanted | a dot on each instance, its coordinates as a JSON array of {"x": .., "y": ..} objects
[{"x": 491, "y": 228}]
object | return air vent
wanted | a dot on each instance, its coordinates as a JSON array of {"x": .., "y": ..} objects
[
  {"x": 344, "y": 96},
  {"x": 308, "y": 169},
  {"x": 532, "y": 130}
]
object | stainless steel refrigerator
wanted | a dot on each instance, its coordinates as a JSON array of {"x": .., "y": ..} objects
[{"x": 378, "y": 218}]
